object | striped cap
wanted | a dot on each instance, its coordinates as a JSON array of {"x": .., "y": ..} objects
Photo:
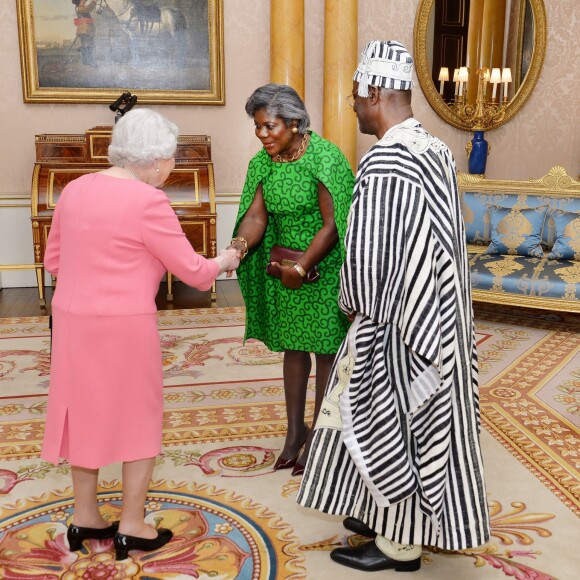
[{"x": 386, "y": 64}]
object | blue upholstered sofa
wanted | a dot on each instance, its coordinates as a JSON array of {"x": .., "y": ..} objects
[{"x": 524, "y": 240}]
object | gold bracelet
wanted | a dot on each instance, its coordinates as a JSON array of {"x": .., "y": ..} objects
[
  {"x": 298, "y": 267},
  {"x": 245, "y": 242}
]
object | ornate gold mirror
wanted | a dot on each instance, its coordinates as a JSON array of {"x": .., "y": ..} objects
[{"x": 496, "y": 49}]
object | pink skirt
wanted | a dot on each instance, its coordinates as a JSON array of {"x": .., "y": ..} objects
[{"x": 105, "y": 401}]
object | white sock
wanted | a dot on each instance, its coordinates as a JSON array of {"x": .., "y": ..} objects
[{"x": 401, "y": 552}]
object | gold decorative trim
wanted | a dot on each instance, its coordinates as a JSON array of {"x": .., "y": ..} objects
[
  {"x": 526, "y": 301},
  {"x": 211, "y": 187},
  {"x": 558, "y": 179},
  {"x": 194, "y": 139},
  {"x": 34, "y": 192},
  {"x": 430, "y": 90},
  {"x": 51, "y": 203},
  {"x": 203, "y": 225},
  {"x": 59, "y": 138},
  {"x": 92, "y": 137},
  {"x": 476, "y": 248},
  {"x": 19, "y": 266},
  {"x": 555, "y": 183},
  {"x": 34, "y": 93},
  {"x": 195, "y": 202}
]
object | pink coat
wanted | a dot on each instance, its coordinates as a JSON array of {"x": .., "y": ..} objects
[{"x": 110, "y": 243}]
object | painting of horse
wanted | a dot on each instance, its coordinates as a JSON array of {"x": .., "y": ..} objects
[
  {"x": 157, "y": 49},
  {"x": 153, "y": 28}
]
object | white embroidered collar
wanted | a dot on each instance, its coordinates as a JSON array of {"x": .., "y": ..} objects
[{"x": 413, "y": 136}]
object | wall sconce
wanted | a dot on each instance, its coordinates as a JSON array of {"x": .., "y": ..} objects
[
  {"x": 456, "y": 80},
  {"x": 494, "y": 79},
  {"x": 506, "y": 77},
  {"x": 443, "y": 76},
  {"x": 462, "y": 77}
]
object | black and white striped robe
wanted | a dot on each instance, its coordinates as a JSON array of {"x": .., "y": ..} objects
[{"x": 397, "y": 440}]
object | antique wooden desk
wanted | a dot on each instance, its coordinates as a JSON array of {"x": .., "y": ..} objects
[{"x": 190, "y": 187}]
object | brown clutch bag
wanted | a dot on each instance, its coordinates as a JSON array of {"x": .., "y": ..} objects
[{"x": 288, "y": 257}]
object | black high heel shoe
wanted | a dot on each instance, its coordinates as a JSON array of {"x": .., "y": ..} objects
[
  {"x": 77, "y": 535},
  {"x": 298, "y": 469},
  {"x": 124, "y": 543},
  {"x": 282, "y": 463}
]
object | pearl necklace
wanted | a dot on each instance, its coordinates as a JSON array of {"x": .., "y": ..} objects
[
  {"x": 132, "y": 173},
  {"x": 296, "y": 154}
]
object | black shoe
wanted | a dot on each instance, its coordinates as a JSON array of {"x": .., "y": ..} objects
[
  {"x": 125, "y": 543},
  {"x": 77, "y": 535},
  {"x": 298, "y": 469},
  {"x": 369, "y": 558},
  {"x": 282, "y": 463},
  {"x": 358, "y": 527}
]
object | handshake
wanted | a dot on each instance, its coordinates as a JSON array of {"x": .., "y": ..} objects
[{"x": 228, "y": 261}]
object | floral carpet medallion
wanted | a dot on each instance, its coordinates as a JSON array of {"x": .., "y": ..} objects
[
  {"x": 217, "y": 534},
  {"x": 223, "y": 427}
]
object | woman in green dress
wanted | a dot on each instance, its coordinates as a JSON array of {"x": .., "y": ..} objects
[{"x": 297, "y": 195}]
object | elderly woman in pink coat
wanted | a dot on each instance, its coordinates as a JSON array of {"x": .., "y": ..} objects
[{"x": 113, "y": 237}]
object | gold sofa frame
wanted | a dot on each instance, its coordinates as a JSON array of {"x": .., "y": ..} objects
[{"x": 556, "y": 183}]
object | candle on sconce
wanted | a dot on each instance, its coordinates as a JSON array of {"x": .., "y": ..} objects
[
  {"x": 443, "y": 76},
  {"x": 456, "y": 80},
  {"x": 494, "y": 79},
  {"x": 506, "y": 77},
  {"x": 462, "y": 77}
]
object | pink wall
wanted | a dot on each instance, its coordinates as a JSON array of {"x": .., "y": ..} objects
[{"x": 541, "y": 136}]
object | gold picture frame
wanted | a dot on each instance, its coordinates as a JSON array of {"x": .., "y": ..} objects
[{"x": 90, "y": 51}]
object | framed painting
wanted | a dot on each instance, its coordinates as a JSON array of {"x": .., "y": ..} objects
[{"x": 89, "y": 51}]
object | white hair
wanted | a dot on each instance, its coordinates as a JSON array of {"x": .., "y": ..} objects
[{"x": 141, "y": 136}]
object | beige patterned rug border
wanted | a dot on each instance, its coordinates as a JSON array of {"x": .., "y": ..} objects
[{"x": 533, "y": 449}]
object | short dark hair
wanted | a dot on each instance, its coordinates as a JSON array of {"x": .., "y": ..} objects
[{"x": 281, "y": 101}]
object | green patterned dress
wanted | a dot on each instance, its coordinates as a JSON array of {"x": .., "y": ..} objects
[{"x": 309, "y": 318}]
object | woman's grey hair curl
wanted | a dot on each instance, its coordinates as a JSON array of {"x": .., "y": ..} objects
[
  {"x": 280, "y": 101},
  {"x": 141, "y": 136}
]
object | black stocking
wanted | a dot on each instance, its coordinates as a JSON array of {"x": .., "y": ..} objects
[
  {"x": 297, "y": 366},
  {"x": 323, "y": 368}
]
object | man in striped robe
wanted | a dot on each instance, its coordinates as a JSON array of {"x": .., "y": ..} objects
[{"x": 396, "y": 446}]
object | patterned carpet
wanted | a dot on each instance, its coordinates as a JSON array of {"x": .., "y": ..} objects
[{"x": 224, "y": 423}]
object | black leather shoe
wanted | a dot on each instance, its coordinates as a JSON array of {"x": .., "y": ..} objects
[
  {"x": 298, "y": 469},
  {"x": 282, "y": 463},
  {"x": 368, "y": 558},
  {"x": 124, "y": 543},
  {"x": 358, "y": 527},
  {"x": 77, "y": 535}
]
